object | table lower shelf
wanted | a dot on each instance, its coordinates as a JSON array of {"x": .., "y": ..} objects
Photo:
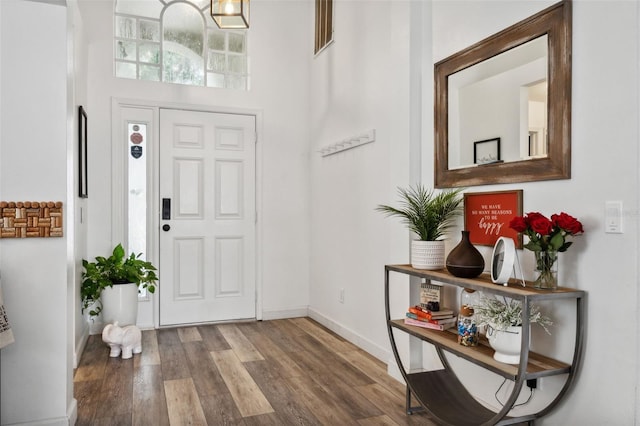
[
  {"x": 538, "y": 365},
  {"x": 442, "y": 394}
]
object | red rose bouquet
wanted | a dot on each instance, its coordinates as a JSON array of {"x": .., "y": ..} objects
[
  {"x": 547, "y": 234},
  {"x": 547, "y": 237}
]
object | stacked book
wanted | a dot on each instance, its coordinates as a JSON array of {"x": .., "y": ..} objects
[{"x": 435, "y": 320}]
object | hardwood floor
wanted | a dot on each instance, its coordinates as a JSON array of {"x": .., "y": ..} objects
[{"x": 282, "y": 372}]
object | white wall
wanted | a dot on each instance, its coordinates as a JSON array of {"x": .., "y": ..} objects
[
  {"x": 34, "y": 164},
  {"x": 605, "y": 116},
  {"x": 361, "y": 81},
  {"x": 279, "y": 57},
  {"x": 354, "y": 83}
]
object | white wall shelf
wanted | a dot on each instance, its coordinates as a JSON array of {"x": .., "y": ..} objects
[{"x": 348, "y": 143}]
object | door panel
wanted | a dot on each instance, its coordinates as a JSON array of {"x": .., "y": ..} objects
[
  {"x": 188, "y": 180},
  {"x": 207, "y": 256},
  {"x": 188, "y": 258},
  {"x": 229, "y": 266},
  {"x": 229, "y": 189}
]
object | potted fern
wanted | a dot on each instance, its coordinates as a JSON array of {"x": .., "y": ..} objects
[
  {"x": 429, "y": 215},
  {"x": 503, "y": 319},
  {"x": 110, "y": 285}
]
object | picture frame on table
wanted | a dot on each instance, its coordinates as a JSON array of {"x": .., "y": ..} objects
[{"x": 487, "y": 216}]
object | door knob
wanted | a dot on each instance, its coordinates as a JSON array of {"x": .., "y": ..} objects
[{"x": 165, "y": 227}]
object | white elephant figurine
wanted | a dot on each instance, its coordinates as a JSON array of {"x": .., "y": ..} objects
[{"x": 126, "y": 339}]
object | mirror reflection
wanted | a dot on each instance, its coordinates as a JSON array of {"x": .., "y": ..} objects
[{"x": 503, "y": 98}]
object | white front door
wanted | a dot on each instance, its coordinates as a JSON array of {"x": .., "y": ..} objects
[{"x": 207, "y": 235}]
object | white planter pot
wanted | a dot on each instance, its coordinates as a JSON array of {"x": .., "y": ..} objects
[
  {"x": 427, "y": 254},
  {"x": 120, "y": 303},
  {"x": 506, "y": 343}
]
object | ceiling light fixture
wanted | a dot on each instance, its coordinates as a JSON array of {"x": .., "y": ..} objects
[{"x": 230, "y": 14}]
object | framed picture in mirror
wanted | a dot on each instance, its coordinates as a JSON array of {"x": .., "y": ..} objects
[{"x": 486, "y": 151}]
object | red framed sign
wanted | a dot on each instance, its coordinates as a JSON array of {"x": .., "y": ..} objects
[{"x": 487, "y": 216}]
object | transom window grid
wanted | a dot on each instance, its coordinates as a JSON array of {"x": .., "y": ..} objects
[{"x": 143, "y": 52}]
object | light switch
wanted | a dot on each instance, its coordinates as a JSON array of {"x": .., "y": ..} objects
[{"x": 613, "y": 217}]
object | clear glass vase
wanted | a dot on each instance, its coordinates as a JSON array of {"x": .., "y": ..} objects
[
  {"x": 546, "y": 269},
  {"x": 468, "y": 334}
]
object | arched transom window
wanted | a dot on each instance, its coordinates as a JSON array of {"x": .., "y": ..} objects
[{"x": 176, "y": 41}]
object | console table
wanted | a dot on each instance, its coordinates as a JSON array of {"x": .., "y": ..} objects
[{"x": 442, "y": 394}]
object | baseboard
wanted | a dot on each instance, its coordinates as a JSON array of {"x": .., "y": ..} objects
[
  {"x": 70, "y": 419},
  {"x": 79, "y": 349},
  {"x": 383, "y": 354},
  {"x": 58, "y": 421},
  {"x": 285, "y": 313},
  {"x": 145, "y": 326},
  {"x": 72, "y": 412},
  {"x": 393, "y": 370}
]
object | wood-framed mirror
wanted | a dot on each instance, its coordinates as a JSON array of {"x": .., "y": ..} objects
[{"x": 534, "y": 133}]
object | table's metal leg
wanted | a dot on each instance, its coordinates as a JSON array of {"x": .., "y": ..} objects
[
  {"x": 408, "y": 402},
  {"x": 410, "y": 410}
]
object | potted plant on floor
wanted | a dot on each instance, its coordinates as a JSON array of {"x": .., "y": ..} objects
[
  {"x": 110, "y": 285},
  {"x": 503, "y": 319},
  {"x": 429, "y": 215}
]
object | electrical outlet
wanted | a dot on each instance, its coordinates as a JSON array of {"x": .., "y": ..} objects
[
  {"x": 341, "y": 297},
  {"x": 532, "y": 383}
]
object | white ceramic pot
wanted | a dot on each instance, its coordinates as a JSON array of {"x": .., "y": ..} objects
[
  {"x": 506, "y": 343},
  {"x": 427, "y": 254},
  {"x": 120, "y": 303}
]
